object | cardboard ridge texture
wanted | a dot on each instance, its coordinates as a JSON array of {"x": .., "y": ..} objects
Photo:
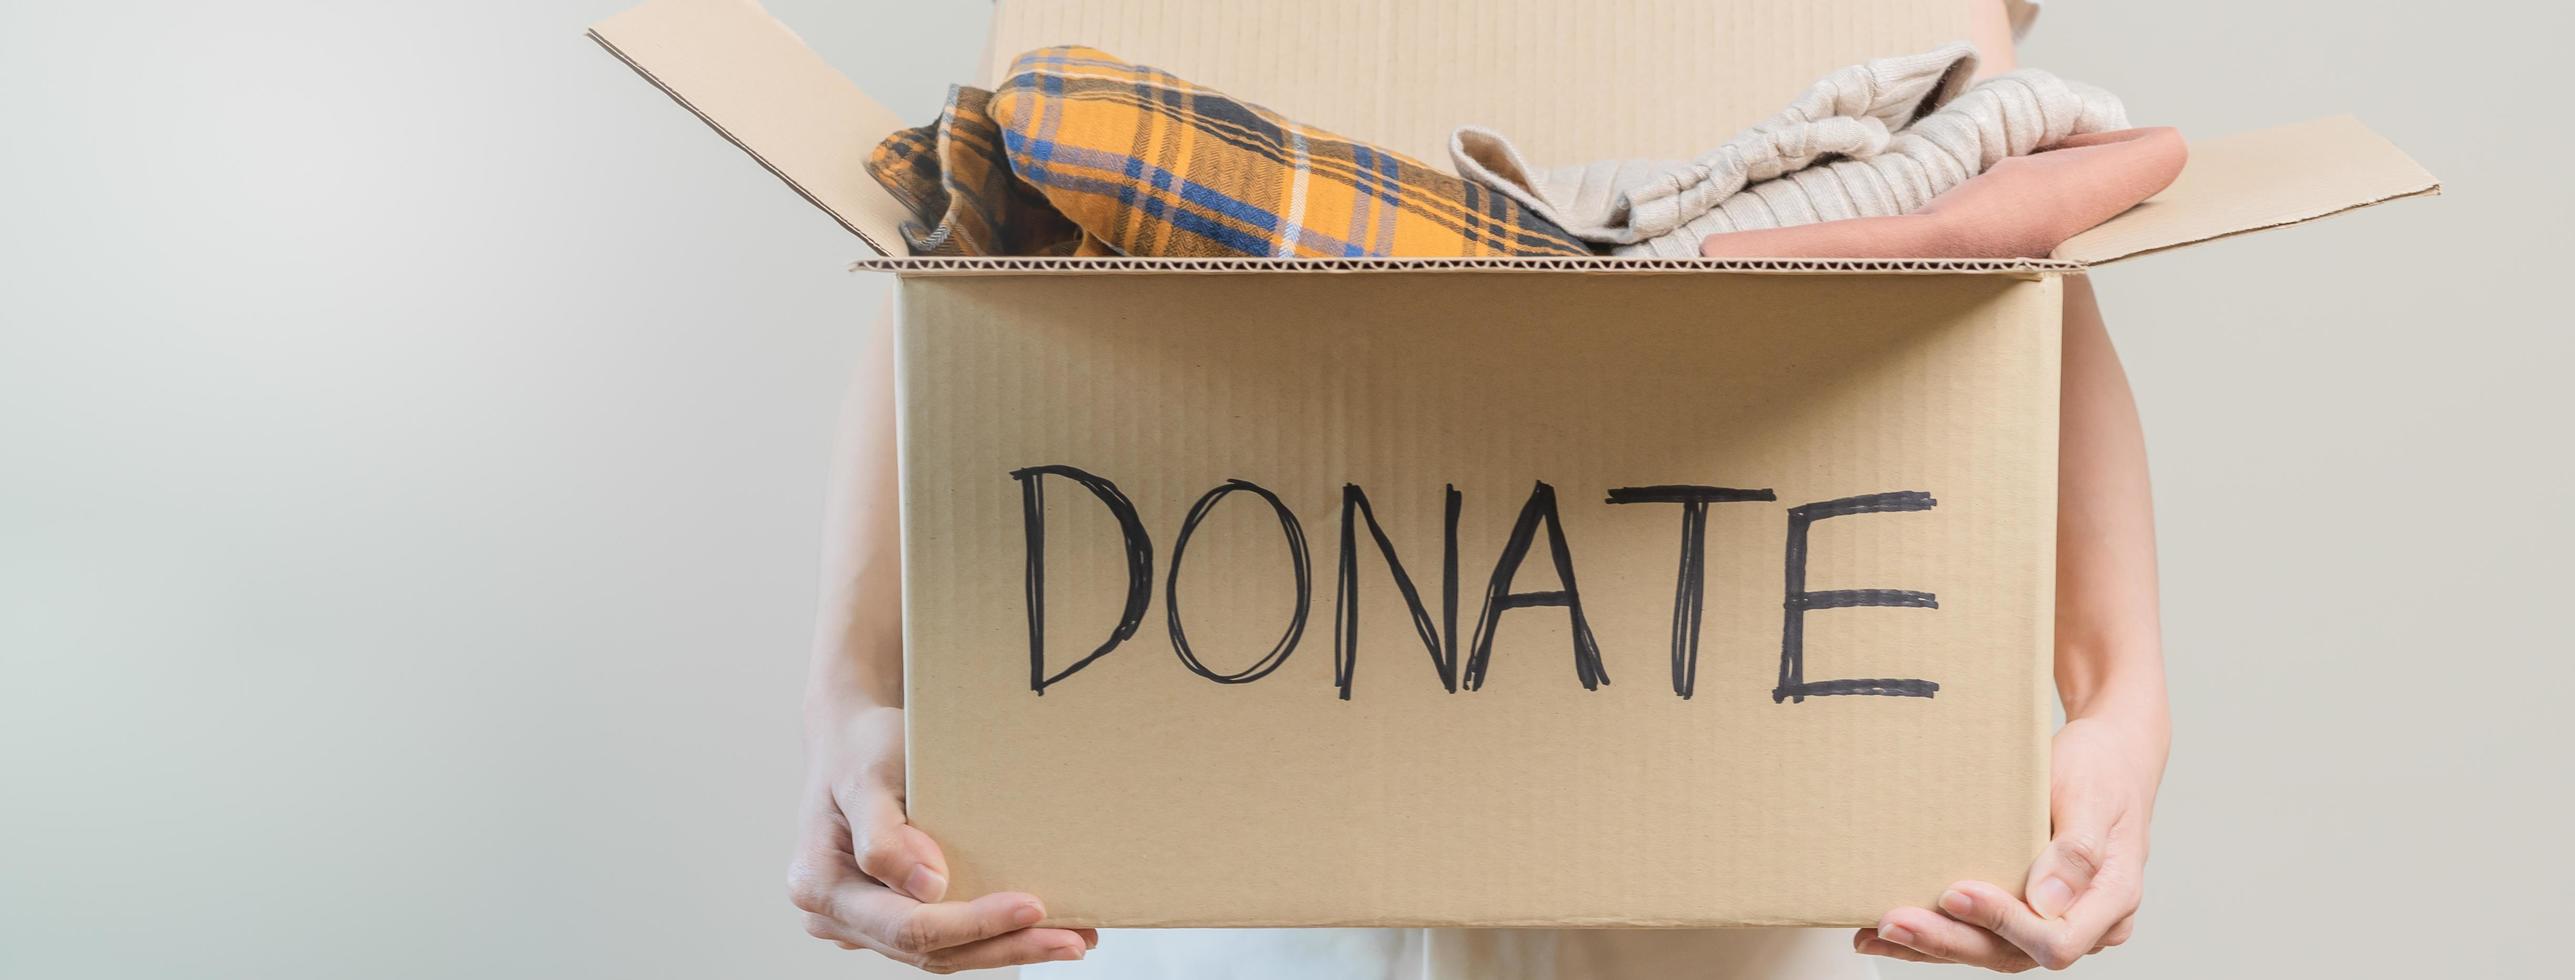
[
  {"x": 1603, "y": 265},
  {"x": 1475, "y": 592}
]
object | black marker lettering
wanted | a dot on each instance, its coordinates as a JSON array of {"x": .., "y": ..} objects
[
  {"x": 1296, "y": 557},
  {"x": 1690, "y": 594},
  {"x": 1792, "y": 640},
  {"x": 1345, "y": 637},
  {"x": 1498, "y": 597},
  {"x": 1139, "y": 547}
]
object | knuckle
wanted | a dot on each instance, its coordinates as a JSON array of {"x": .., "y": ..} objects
[
  {"x": 1924, "y": 942},
  {"x": 2120, "y": 933},
  {"x": 2058, "y": 953},
  {"x": 2082, "y": 850},
  {"x": 809, "y": 888},
  {"x": 913, "y": 960},
  {"x": 915, "y": 934},
  {"x": 823, "y": 928},
  {"x": 879, "y": 855}
]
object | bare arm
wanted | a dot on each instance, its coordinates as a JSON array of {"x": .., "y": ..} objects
[
  {"x": 2082, "y": 893},
  {"x": 2109, "y": 647},
  {"x": 858, "y": 640},
  {"x": 865, "y": 877},
  {"x": 2109, "y": 641}
]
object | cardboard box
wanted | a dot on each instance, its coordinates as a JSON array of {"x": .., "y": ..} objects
[{"x": 1545, "y": 592}]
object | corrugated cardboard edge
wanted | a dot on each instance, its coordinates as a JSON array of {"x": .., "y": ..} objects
[
  {"x": 2233, "y": 185},
  {"x": 999, "y": 265},
  {"x": 2249, "y": 182},
  {"x": 761, "y": 88}
]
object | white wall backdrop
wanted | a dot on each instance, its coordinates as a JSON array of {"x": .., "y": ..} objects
[{"x": 412, "y": 430}]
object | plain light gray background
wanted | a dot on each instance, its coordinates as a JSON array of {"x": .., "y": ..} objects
[{"x": 413, "y": 428}]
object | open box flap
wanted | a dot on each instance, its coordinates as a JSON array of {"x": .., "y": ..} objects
[
  {"x": 759, "y": 86},
  {"x": 1406, "y": 73},
  {"x": 2263, "y": 179}
]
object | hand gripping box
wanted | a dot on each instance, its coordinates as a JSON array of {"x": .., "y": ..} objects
[{"x": 1545, "y": 592}]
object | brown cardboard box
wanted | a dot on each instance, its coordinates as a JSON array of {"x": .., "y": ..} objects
[{"x": 1725, "y": 587}]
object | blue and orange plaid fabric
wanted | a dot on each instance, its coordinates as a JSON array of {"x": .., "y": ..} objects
[
  {"x": 964, "y": 200},
  {"x": 1079, "y": 153}
]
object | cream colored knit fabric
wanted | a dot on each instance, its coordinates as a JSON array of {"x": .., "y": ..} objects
[{"x": 1869, "y": 141}]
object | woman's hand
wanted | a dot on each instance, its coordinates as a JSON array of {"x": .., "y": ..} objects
[
  {"x": 864, "y": 875},
  {"x": 867, "y": 878},
  {"x": 2084, "y": 889}
]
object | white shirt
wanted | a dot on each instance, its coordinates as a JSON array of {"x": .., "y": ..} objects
[{"x": 1466, "y": 954}]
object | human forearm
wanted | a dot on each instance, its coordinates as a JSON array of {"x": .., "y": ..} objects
[
  {"x": 2081, "y": 894},
  {"x": 857, "y": 656},
  {"x": 863, "y": 875},
  {"x": 2109, "y": 646}
]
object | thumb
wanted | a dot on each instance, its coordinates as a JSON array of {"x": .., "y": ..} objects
[
  {"x": 892, "y": 851},
  {"x": 2071, "y": 860}
]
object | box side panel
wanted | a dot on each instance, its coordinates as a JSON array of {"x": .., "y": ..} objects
[
  {"x": 758, "y": 85},
  {"x": 1664, "y": 79},
  {"x": 1138, "y": 791}
]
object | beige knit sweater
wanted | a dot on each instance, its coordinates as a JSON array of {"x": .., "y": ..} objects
[{"x": 1871, "y": 140}]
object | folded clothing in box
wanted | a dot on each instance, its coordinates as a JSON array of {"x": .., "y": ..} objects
[
  {"x": 1876, "y": 139},
  {"x": 1079, "y": 153},
  {"x": 2022, "y": 208}
]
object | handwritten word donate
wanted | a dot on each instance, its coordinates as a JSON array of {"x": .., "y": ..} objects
[{"x": 1441, "y": 638}]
